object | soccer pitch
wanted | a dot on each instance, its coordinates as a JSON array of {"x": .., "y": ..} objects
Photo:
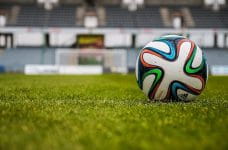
[{"x": 107, "y": 112}]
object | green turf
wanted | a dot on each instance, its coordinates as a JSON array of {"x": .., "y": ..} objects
[{"x": 106, "y": 112}]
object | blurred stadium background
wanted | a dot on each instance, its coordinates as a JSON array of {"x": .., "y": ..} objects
[{"x": 98, "y": 36}]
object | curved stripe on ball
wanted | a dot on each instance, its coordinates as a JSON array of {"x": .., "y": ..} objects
[
  {"x": 167, "y": 55},
  {"x": 147, "y": 83},
  {"x": 154, "y": 76},
  {"x": 189, "y": 68},
  {"x": 198, "y": 59}
]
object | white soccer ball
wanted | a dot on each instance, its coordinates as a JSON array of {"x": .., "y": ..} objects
[{"x": 171, "y": 68}]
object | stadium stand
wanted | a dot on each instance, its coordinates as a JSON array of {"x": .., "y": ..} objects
[
  {"x": 151, "y": 17},
  {"x": 5, "y": 10},
  {"x": 121, "y": 17},
  {"x": 115, "y": 16},
  {"x": 206, "y": 18},
  {"x": 224, "y": 16},
  {"x": 148, "y": 17},
  {"x": 63, "y": 16}
]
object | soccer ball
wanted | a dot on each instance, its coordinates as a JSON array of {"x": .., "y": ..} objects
[{"x": 171, "y": 68}]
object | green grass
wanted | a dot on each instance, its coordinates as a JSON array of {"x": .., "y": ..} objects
[{"x": 106, "y": 112}]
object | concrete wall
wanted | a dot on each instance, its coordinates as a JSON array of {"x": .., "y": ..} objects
[
  {"x": 15, "y": 59},
  {"x": 217, "y": 57}
]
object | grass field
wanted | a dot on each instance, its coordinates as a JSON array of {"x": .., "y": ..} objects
[{"x": 106, "y": 112}]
